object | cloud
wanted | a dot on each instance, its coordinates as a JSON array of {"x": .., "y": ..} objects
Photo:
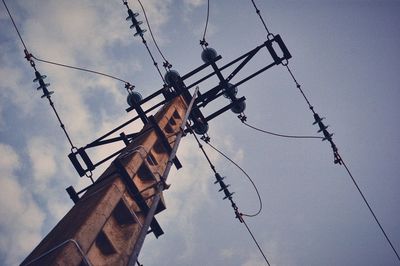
[
  {"x": 194, "y": 3},
  {"x": 20, "y": 217},
  {"x": 42, "y": 155}
]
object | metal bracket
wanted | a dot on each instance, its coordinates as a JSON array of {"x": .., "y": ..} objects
[
  {"x": 164, "y": 141},
  {"x": 180, "y": 88},
  {"x": 135, "y": 193}
]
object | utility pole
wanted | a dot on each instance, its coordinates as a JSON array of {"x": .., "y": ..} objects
[
  {"x": 108, "y": 224},
  {"x": 111, "y": 219}
]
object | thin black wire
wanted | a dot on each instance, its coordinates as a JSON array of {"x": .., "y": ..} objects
[
  {"x": 238, "y": 215},
  {"x": 261, "y": 18},
  {"x": 79, "y": 68},
  {"x": 206, "y": 25},
  {"x": 202, "y": 149},
  {"x": 15, "y": 25},
  {"x": 248, "y": 177},
  {"x": 33, "y": 65},
  {"x": 152, "y": 58},
  {"x": 300, "y": 89},
  {"x": 281, "y": 135},
  {"x": 151, "y": 33},
  {"x": 369, "y": 207},
  {"x": 256, "y": 242},
  {"x": 147, "y": 47},
  {"x": 61, "y": 123},
  {"x": 335, "y": 151},
  {"x": 54, "y": 63}
]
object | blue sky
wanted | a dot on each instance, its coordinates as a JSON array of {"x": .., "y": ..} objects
[{"x": 345, "y": 54}]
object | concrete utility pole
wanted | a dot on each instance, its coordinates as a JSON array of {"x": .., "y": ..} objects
[{"x": 108, "y": 224}]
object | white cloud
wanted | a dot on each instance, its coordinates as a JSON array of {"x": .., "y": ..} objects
[
  {"x": 194, "y": 3},
  {"x": 43, "y": 158},
  {"x": 227, "y": 253},
  {"x": 11, "y": 91},
  {"x": 20, "y": 217}
]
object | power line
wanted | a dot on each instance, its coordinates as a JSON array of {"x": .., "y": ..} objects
[
  {"x": 256, "y": 242},
  {"x": 140, "y": 32},
  {"x": 228, "y": 194},
  {"x": 328, "y": 136},
  {"x": 206, "y": 25},
  {"x": 300, "y": 89},
  {"x": 166, "y": 63},
  {"x": 40, "y": 78},
  {"x": 261, "y": 18},
  {"x": 369, "y": 207},
  {"x": 80, "y": 69},
  {"x": 276, "y": 134},
  {"x": 245, "y": 173},
  {"x": 15, "y": 25},
  {"x": 55, "y": 63}
]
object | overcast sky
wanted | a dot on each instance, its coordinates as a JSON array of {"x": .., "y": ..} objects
[{"x": 345, "y": 54}]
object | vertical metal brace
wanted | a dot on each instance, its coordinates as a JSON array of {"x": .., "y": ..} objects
[
  {"x": 72, "y": 194},
  {"x": 75, "y": 162},
  {"x": 282, "y": 46}
]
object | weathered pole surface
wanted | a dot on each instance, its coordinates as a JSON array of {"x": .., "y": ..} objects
[{"x": 108, "y": 224}]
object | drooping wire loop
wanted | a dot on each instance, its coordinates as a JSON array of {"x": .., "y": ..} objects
[
  {"x": 227, "y": 193},
  {"x": 203, "y": 41},
  {"x": 207, "y": 140},
  {"x": 167, "y": 65}
]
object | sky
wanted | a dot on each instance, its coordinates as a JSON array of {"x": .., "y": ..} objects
[{"x": 345, "y": 55}]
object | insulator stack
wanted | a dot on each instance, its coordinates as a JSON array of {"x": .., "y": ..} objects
[
  {"x": 42, "y": 85},
  {"x": 224, "y": 187},
  {"x": 135, "y": 23},
  {"x": 327, "y": 136}
]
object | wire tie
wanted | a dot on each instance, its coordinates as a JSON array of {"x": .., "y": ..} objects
[{"x": 27, "y": 55}]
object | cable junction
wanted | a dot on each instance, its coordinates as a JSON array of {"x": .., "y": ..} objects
[{"x": 227, "y": 193}]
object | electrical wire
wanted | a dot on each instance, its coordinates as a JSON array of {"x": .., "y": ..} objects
[
  {"x": 256, "y": 242},
  {"x": 239, "y": 216},
  {"x": 369, "y": 207},
  {"x": 281, "y": 135},
  {"x": 261, "y": 18},
  {"x": 55, "y": 63},
  {"x": 79, "y": 68},
  {"x": 300, "y": 89},
  {"x": 29, "y": 56},
  {"x": 328, "y": 137},
  {"x": 166, "y": 63},
  {"x": 152, "y": 58},
  {"x": 206, "y": 25},
  {"x": 140, "y": 33},
  {"x": 15, "y": 25},
  {"x": 61, "y": 123},
  {"x": 248, "y": 177}
]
